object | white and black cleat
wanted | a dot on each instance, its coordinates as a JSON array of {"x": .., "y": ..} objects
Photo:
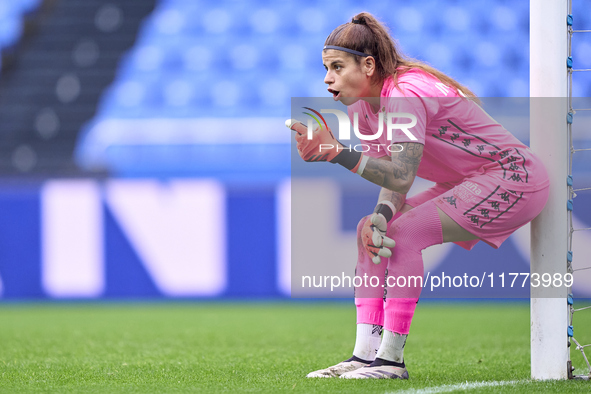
[
  {"x": 379, "y": 369},
  {"x": 335, "y": 371}
]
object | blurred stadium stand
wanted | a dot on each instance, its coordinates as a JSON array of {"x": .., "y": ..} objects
[
  {"x": 14, "y": 15},
  {"x": 94, "y": 74},
  {"x": 225, "y": 60},
  {"x": 55, "y": 74},
  {"x": 199, "y": 90}
]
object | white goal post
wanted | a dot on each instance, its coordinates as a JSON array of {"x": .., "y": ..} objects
[{"x": 548, "y": 139}]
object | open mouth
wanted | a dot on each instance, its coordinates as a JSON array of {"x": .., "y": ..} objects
[{"x": 335, "y": 93}]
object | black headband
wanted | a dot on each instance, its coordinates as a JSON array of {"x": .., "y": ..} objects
[{"x": 354, "y": 52}]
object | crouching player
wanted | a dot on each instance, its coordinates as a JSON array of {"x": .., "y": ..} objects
[{"x": 487, "y": 183}]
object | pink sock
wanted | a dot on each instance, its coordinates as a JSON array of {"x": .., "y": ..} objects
[
  {"x": 413, "y": 232},
  {"x": 370, "y": 310},
  {"x": 399, "y": 312},
  {"x": 369, "y": 300}
]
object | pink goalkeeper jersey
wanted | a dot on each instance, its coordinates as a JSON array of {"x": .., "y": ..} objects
[{"x": 460, "y": 139}]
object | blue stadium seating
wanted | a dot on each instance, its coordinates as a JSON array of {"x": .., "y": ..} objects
[
  {"x": 232, "y": 58},
  {"x": 264, "y": 53},
  {"x": 12, "y": 13},
  {"x": 10, "y": 24}
]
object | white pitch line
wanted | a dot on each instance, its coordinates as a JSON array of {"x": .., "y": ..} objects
[{"x": 448, "y": 388}]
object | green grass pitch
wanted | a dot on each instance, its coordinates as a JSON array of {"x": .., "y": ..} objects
[{"x": 259, "y": 347}]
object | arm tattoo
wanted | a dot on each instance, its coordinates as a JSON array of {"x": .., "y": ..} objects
[
  {"x": 409, "y": 158},
  {"x": 398, "y": 172},
  {"x": 396, "y": 198}
]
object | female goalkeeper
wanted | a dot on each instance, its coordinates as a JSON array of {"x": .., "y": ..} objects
[{"x": 488, "y": 184}]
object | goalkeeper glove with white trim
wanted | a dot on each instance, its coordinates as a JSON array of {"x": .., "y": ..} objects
[
  {"x": 373, "y": 233},
  {"x": 323, "y": 146}
]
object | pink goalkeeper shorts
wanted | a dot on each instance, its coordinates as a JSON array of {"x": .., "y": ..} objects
[{"x": 486, "y": 206}]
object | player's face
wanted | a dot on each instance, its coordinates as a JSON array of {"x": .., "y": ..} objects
[{"x": 346, "y": 79}]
